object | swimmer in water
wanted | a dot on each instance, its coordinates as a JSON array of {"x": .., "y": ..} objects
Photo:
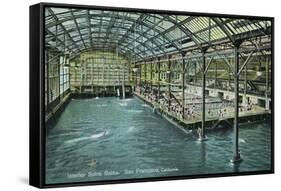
[
  {"x": 92, "y": 163},
  {"x": 199, "y": 133},
  {"x": 106, "y": 132}
]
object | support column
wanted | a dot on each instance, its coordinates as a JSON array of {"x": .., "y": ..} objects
[
  {"x": 266, "y": 84},
  {"x": 69, "y": 74},
  {"x": 81, "y": 75},
  {"x": 236, "y": 153},
  {"x": 228, "y": 83},
  {"x": 123, "y": 83},
  {"x": 92, "y": 77},
  {"x": 59, "y": 80},
  {"x": 62, "y": 68},
  {"x": 158, "y": 96},
  {"x": 129, "y": 75},
  {"x": 169, "y": 82},
  {"x": 203, "y": 136},
  {"x": 129, "y": 72},
  {"x": 47, "y": 75},
  {"x": 151, "y": 76},
  {"x": 183, "y": 85},
  {"x": 98, "y": 79},
  {"x": 103, "y": 75},
  {"x": 245, "y": 87},
  {"x": 216, "y": 75},
  {"x": 144, "y": 75},
  {"x": 195, "y": 76},
  {"x": 139, "y": 83},
  {"x": 145, "y": 72},
  {"x": 187, "y": 72},
  {"x": 136, "y": 80},
  {"x": 119, "y": 83},
  {"x": 63, "y": 64},
  {"x": 140, "y": 78},
  {"x": 58, "y": 64}
]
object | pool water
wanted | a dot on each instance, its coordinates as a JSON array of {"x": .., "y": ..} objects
[{"x": 111, "y": 138}]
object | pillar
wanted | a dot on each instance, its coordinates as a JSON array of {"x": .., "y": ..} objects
[
  {"x": 145, "y": 72},
  {"x": 92, "y": 77},
  {"x": 245, "y": 87},
  {"x": 47, "y": 75},
  {"x": 136, "y": 80},
  {"x": 216, "y": 75},
  {"x": 195, "y": 76},
  {"x": 81, "y": 75},
  {"x": 266, "y": 84},
  {"x": 63, "y": 64},
  {"x": 187, "y": 72},
  {"x": 169, "y": 82},
  {"x": 151, "y": 76},
  {"x": 140, "y": 66},
  {"x": 123, "y": 83},
  {"x": 183, "y": 85},
  {"x": 203, "y": 136},
  {"x": 236, "y": 153},
  {"x": 228, "y": 83},
  {"x": 158, "y": 63}
]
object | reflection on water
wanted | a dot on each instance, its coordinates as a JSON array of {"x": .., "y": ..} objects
[{"x": 108, "y": 138}]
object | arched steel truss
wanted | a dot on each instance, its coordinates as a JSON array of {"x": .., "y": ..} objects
[{"x": 142, "y": 35}]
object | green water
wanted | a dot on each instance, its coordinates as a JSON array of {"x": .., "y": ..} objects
[{"x": 109, "y": 139}]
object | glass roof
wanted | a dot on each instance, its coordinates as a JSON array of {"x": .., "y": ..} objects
[{"x": 141, "y": 35}]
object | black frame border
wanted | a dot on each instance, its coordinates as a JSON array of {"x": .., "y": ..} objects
[{"x": 37, "y": 129}]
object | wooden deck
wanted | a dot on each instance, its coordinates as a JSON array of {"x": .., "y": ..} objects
[{"x": 210, "y": 118}]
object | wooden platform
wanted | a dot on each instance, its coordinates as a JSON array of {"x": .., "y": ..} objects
[{"x": 256, "y": 113}]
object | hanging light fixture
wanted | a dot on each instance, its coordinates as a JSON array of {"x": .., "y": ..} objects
[
  {"x": 135, "y": 69},
  {"x": 259, "y": 73},
  {"x": 259, "y": 69}
]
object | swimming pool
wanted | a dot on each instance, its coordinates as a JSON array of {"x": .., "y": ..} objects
[{"x": 111, "y": 138}]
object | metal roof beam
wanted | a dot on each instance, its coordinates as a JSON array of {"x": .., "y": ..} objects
[
  {"x": 78, "y": 29},
  {"x": 109, "y": 27},
  {"x": 141, "y": 17},
  {"x": 60, "y": 41},
  {"x": 159, "y": 33},
  {"x": 185, "y": 30},
  {"x": 224, "y": 29},
  {"x": 118, "y": 44},
  {"x": 56, "y": 19},
  {"x": 90, "y": 28}
]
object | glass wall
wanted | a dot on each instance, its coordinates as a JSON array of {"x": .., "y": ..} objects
[{"x": 56, "y": 76}]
